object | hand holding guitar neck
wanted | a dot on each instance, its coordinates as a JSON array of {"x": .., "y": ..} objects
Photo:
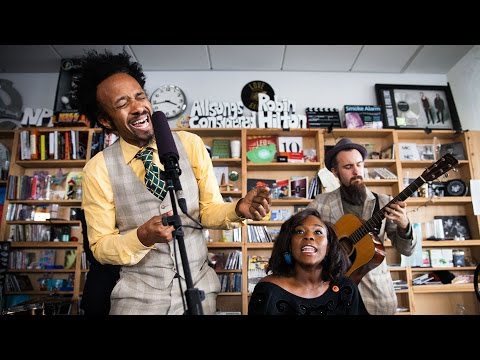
[{"x": 397, "y": 212}]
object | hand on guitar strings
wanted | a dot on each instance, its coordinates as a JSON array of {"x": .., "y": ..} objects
[{"x": 398, "y": 214}]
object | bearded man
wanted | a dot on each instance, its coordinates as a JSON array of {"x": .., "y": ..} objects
[{"x": 346, "y": 162}]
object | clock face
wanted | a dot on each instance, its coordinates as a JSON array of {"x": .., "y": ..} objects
[{"x": 169, "y": 99}]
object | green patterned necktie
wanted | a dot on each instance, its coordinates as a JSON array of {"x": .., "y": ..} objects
[{"x": 152, "y": 174}]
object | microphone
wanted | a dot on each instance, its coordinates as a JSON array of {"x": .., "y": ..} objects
[{"x": 168, "y": 154}]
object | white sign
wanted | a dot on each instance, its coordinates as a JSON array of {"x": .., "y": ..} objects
[
  {"x": 271, "y": 114},
  {"x": 206, "y": 114},
  {"x": 278, "y": 114}
]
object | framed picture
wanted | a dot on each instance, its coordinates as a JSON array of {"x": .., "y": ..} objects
[
  {"x": 454, "y": 227},
  {"x": 455, "y": 148},
  {"x": 417, "y": 106}
]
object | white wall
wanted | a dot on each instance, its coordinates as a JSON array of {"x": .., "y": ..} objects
[
  {"x": 37, "y": 90},
  {"x": 305, "y": 88},
  {"x": 464, "y": 80}
]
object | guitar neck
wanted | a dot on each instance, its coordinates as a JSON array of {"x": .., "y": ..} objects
[{"x": 377, "y": 218}]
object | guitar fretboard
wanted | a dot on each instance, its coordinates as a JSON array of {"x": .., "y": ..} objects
[
  {"x": 446, "y": 163},
  {"x": 377, "y": 218}
]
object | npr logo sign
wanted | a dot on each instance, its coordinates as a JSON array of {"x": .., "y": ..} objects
[{"x": 35, "y": 118}]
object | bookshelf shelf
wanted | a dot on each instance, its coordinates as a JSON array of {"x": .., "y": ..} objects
[
  {"x": 259, "y": 245},
  {"x": 221, "y": 271},
  {"x": 289, "y": 202},
  {"x": 50, "y": 222},
  {"x": 380, "y": 182},
  {"x": 450, "y": 243},
  {"x": 425, "y": 164},
  {"x": 51, "y": 163},
  {"x": 39, "y": 292},
  {"x": 440, "y": 200},
  {"x": 60, "y": 202},
  {"x": 444, "y": 288},
  {"x": 283, "y": 166},
  {"x": 230, "y": 294},
  {"x": 41, "y": 271},
  {"x": 223, "y": 245},
  {"x": 457, "y": 268},
  {"x": 226, "y": 162},
  {"x": 45, "y": 244},
  {"x": 66, "y": 151}
]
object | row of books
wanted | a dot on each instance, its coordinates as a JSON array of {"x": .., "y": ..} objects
[
  {"x": 234, "y": 261},
  {"x": 382, "y": 173},
  {"x": 44, "y": 186},
  {"x": 400, "y": 284},
  {"x": 18, "y": 282},
  {"x": 39, "y": 232},
  {"x": 226, "y": 261},
  {"x": 22, "y": 282},
  {"x": 232, "y": 235},
  {"x": 101, "y": 141},
  {"x": 258, "y": 234},
  {"x": 231, "y": 282},
  {"x": 41, "y": 212},
  {"x": 32, "y": 259},
  {"x": 54, "y": 145},
  {"x": 61, "y": 144},
  {"x": 45, "y": 259}
]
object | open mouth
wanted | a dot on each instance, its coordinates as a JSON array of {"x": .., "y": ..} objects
[
  {"x": 308, "y": 249},
  {"x": 141, "y": 123}
]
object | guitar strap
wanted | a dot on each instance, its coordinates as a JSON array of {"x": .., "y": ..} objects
[{"x": 377, "y": 208}]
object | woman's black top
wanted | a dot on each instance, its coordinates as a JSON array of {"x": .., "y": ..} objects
[{"x": 342, "y": 298}]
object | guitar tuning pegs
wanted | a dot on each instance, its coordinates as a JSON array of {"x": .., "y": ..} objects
[{"x": 455, "y": 169}]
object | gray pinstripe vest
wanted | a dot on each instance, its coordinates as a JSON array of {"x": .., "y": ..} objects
[{"x": 157, "y": 268}]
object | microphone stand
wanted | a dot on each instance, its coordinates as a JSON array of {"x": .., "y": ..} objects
[{"x": 193, "y": 296}]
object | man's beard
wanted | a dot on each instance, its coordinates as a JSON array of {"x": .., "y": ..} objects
[{"x": 355, "y": 194}]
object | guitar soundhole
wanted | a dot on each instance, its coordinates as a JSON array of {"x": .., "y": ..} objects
[{"x": 347, "y": 245}]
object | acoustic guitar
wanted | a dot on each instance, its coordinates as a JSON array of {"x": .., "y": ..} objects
[{"x": 358, "y": 238}]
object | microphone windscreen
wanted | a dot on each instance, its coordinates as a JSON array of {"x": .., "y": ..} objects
[{"x": 163, "y": 135}]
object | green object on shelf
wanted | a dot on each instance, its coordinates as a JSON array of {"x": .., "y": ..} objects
[{"x": 262, "y": 154}]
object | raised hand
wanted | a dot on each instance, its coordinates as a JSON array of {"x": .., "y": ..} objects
[{"x": 256, "y": 204}]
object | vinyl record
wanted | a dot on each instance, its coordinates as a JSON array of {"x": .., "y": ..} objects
[
  {"x": 407, "y": 107},
  {"x": 250, "y": 93},
  {"x": 456, "y": 188}
]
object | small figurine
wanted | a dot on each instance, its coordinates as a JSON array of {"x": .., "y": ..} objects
[
  {"x": 71, "y": 189},
  {"x": 225, "y": 186}
]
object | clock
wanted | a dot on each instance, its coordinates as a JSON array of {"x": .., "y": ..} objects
[
  {"x": 170, "y": 100},
  {"x": 250, "y": 93}
]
